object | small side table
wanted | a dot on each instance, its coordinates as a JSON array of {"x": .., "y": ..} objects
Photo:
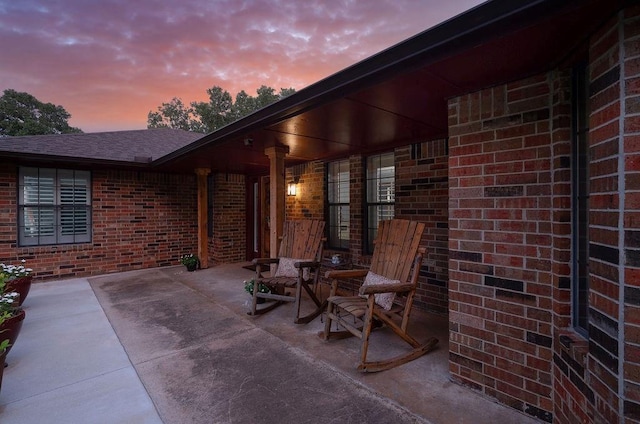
[
  {"x": 330, "y": 266},
  {"x": 327, "y": 263}
]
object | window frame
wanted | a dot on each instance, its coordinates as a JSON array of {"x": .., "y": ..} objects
[
  {"x": 338, "y": 207},
  {"x": 376, "y": 209},
  {"x": 580, "y": 200},
  {"x": 54, "y": 206}
]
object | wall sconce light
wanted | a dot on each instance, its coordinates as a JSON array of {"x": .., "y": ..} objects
[{"x": 292, "y": 187}]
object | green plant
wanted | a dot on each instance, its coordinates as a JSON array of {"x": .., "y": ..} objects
[
  {"x": 262, "y": 288},
  {"x": 5, "y": 315},
  {"x": 189, "y": 260},
  {"x": 8, "y": 300},
  {"x": 4, "y": 344},
  {"x": 8, "y": 305},
  {"x": 15, "y": 271},
  {"x": 10, "y": 317}
]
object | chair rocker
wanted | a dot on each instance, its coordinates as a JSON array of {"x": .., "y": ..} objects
[
  {"x": 394, "y": 271},
  {"x": 297, "y": 269}
]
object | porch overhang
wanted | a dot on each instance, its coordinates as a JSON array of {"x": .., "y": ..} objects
[{"x": 399, "y": 95}]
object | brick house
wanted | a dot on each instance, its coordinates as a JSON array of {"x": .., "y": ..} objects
[
  {"x": 512, "y": 130},
  {"x": 120, "y": 215}
]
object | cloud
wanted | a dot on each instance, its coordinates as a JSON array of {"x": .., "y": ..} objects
[{"x": 109, "y": 63}]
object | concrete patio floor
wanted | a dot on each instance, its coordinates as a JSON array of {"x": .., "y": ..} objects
[{"x": 168, "y": 346}]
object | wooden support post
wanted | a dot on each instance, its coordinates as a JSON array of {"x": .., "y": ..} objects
[
  {"x": 203, "y": 242},
  {"x": 276, "y": 156}
]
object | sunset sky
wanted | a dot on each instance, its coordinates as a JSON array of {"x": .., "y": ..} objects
[{"x": 110, "y": 62}]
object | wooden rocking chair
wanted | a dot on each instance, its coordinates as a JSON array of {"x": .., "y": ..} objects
[
  {"x": 298, "y": 268},
  {"x": 395, "y": 257}
]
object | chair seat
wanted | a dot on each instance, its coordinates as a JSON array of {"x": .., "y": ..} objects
[
  {"x": 357, "y": 305},
  {"x": 286, "y": 282}
]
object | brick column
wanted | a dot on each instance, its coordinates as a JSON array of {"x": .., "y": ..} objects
[
  {"x": 500, "y": 250},
  {"x": 629, "y": 177},
  {"x": 356, "y": 198}
]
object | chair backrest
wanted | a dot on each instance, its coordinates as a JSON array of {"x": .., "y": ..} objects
[
  {"x": 396, "y": 247},
  {"x": 302, "y": 239}
]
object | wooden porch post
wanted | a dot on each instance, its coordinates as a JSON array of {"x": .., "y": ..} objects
[
  {"x": 203, "y": 245},
  {"x": 276, "y": 156}
]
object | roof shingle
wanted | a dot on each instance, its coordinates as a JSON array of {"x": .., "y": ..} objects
[{"x": 121, "y": 146}]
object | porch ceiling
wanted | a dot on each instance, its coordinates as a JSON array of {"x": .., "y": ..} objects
[{"x": 400, "y": 95}]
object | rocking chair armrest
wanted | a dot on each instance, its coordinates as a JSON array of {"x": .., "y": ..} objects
[
  {"x": 265, "y": 261},
  {"x": 343, "y": 274},
  {"x": 386, "y": 288}
]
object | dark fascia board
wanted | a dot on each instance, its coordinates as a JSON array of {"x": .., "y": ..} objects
[
  {"x": 69, "y": 160},
  {"x": 452, "y": 36}
]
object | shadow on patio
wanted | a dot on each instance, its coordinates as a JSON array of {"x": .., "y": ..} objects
[{"x": 202, "y": 359}]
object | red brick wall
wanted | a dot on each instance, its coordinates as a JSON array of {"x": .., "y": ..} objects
[
  {"x": 604, "y": 373},
  {"x": 510, "y": 245},
  {"x": 629, "y": 177},
  {"x": 308, "y": 203},
  {"x": 500, "y": 243},
  {"x": 140, "y": 220},
  {"x": 589, "y": 373},
  {"x": 228, "y": 243},
  {"x": 604, "y": 202},
  {"x": 422, "y": 194}
]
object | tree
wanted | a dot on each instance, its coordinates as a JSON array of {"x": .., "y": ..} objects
[
  {"x": 216, "y": 113},
  {"x": 174, "y": 115},
  {"x": 219, "y": 111},
  {"x": 286, "y": 92},
  {"x": 23, "y": 114},
  {"x": 244, "y": 105}
]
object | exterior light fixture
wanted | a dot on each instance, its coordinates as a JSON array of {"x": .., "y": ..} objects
[{"x": 292, "y": 187}]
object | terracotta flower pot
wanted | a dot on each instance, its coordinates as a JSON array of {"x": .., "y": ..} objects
[
  {"x": 11, "y": 328},
  {"x": 3, "y": 356},
  {"x": 21, "y": 285}
]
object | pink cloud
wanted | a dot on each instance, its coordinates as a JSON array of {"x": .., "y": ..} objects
[{"x": 109, "y": 63}]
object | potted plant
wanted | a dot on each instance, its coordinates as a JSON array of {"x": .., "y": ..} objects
[
  {"x": 191, "y": 261},
  {"x": 262, "y": 288},
  {"x": 17, "y": 279},
  {"x": 11, "y": 319},
  {"x": 4, "y": 348},
  {"x": 11, "y": 314}
]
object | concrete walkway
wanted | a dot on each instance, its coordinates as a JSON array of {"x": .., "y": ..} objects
[
  {"x": 167, "y": 346},
  {"x": 68, "y": 366}
]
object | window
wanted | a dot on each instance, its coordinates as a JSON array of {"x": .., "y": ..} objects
[
  {"x": 579, "y": 201},
  {"x": 338, "y": 202},
  {"x": 54, "y": 206},
  {"x": 381, "y": 194}
]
